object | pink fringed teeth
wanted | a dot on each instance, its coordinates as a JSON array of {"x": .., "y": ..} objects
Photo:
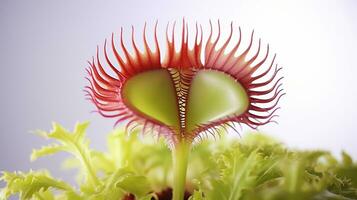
[{"x": 181, "y": 96}]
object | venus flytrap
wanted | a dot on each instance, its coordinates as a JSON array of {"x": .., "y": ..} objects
[{"x": 183, "y": 97}]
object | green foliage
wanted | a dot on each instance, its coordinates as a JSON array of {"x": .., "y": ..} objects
[
  {"x": 260, "y": 168},
  {"x": 254, "y": 167},
  {"x": 118, "y": 180},
  {"x": 33, "y": 185},
  {"x": 74, "y": 143}
]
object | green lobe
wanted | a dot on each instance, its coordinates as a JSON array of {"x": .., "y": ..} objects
[
  {"x": 214, "y": 95},
  {"x": 153, "y": 94}
]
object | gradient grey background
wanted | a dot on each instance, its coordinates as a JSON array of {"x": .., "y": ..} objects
[{"x": 44, "y": 46}]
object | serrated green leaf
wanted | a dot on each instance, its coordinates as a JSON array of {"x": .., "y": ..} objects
[
  {"x": 135, "y": 184},
  {"x": 80, "y": 131},
  {"x": 123, "y": 181},
  {"x": 32, "y": 184},
  {"x": 346, "y": 159},
  {"x": 74, "y": 143},
  {"x": 46, "y": 151}
]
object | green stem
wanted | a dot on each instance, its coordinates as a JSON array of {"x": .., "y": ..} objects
[{"x": 180, "y": 157}]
